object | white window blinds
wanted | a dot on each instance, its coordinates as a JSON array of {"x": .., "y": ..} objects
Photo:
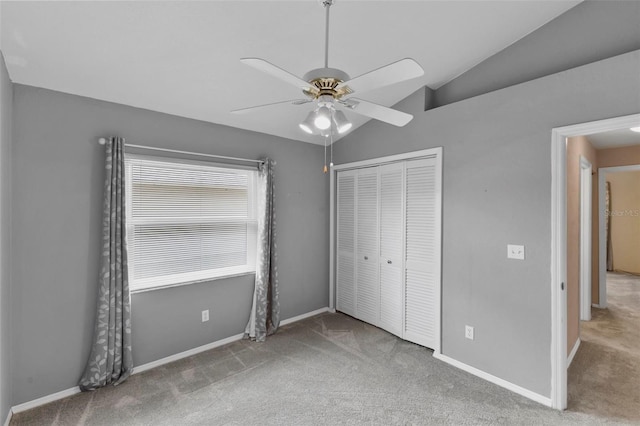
[{"x": 188, "y": 221}]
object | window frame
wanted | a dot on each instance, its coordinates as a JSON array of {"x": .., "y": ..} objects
[{"x": 188, "y": 278}]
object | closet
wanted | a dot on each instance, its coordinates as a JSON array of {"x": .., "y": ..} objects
[{"x": 387, "y": 244}]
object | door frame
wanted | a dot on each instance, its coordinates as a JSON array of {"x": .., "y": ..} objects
[
  {"x": 602, "y": 243},
  {"x": 585, "y": 238},
  {"x": 413, "y": 155},
  {"x": 559, "y": 137}
]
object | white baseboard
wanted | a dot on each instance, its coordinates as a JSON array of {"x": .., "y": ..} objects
[
  {"x": 44, "y": 400},
  {"x": 304, "y": 316},
  {"x": 144, "y": 367},
  {"x": 495, "y": 380},
  {"x": 9, "y": 415},
  {"x": 185, "y": 354},
  {"x": 573, "y": 352},
  {"x": 216, "y": 344}
]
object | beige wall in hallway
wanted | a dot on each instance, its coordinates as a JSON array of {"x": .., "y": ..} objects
[
  {"x": 624, "y": 156},
  {"x": 576, "y": 147},
  {"x": 611, "y": 157},
  {"x": 625, "y": 220}
]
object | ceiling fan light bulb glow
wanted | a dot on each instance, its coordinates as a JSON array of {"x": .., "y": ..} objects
[
  {"x": 323, "y": 118},
  {"x": 342, "y": 123},
  {"x": 635, "y": 129}
]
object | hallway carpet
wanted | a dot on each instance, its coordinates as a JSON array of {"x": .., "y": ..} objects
[
  {"x": 604, "y": 378},
  {"x": 327, "y": 370}
]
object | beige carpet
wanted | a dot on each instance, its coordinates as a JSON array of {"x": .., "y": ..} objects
[
  {"x": 604, "y": 378},
  {"x": 327, "y": 370}
]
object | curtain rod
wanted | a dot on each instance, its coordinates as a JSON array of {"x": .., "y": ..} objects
[{"x": 102, "y": 141}]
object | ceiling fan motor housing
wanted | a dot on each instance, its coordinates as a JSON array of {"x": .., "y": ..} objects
[{"x": 325, "y": 80}]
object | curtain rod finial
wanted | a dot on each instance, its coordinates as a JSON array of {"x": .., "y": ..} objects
[{"x": 102, "y": 141}]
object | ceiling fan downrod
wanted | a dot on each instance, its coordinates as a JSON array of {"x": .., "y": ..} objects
[{"x": 327, "y": 6}]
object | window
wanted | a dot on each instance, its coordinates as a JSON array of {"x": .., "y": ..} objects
[{"x": 188, "y": 221}]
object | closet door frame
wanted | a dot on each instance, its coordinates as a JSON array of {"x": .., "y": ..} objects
[{"x": 414, "y": 155}]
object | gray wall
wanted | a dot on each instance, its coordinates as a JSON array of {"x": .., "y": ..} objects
[
  {"x": 6, "y": 107},
  {"x": 497, "y": 190},
  {"x": 588, "y": 32},
  {"x": 57, "y": 186}
]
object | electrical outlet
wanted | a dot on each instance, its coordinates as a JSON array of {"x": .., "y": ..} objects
[
  {"x": 205, "y": 315},
  {"x": 515, "y": 252},
  {"x": 468, "y": 332}
]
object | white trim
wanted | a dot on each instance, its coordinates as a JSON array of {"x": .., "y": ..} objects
[
  {"x": 558, "y": 271},
  {"x": 44, "y": 400},
  {"x": 438, "y": 207},
  {"x": 558, "y": 245},
  {"x": 186, "y": 354},
  {"x": 216, "y": 344},
  {"x": 148, "y": 366},
  {"x": 585, "y": 238},
  {"x": 495, "y": 380},
  {"x": 602, "y": 243},
  {"x": 431, "y": 152},
  {"x": 9, "y": 415},
  {"x": 573, "y": 352},
  {"x": 305, "y": 316},
  {"x": 332, "y": 240}
]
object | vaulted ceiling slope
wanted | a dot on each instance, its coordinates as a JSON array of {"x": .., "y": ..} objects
[{"x": 182, "y": 58}]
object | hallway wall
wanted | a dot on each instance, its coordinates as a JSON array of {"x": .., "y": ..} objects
[{"x": 625, "y": 221}]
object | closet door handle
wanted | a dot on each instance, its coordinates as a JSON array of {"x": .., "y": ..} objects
[{"x": 389, "y": 262}]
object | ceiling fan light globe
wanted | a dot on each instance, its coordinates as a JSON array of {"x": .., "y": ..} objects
[
  {"x": 342, "y": 123},
  {"x": 307, "y": 124},
  {"x": 322, "y": 120},
  {"x": 322, "y": 123},
  {"x": 306, "y": 128}
]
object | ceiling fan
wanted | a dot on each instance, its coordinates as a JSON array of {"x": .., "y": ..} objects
[{"x": 330, "y": 89}]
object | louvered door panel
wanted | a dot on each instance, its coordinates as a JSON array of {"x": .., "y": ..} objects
[
  {"x": 367, "y": 278},
  {"x": 345, "y": 266},
  {"x": 422, "y": 262},
  {"x": 391, "y": 247}
]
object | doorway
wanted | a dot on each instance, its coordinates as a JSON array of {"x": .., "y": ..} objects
[
  {"x": 559, "y": 245},
  {"x": 603, "y": 237}
]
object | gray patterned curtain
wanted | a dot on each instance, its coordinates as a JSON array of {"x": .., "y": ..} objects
[
  {"x": 265, "y": 311},
  {"x": 110, "y": 361}
]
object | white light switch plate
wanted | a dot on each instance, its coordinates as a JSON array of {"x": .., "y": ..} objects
[{"x": 515, "y": 252}]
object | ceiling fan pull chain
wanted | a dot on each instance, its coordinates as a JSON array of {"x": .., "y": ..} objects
[
  {"x": 331, "y": 160},
  {"x": 324, "y": 169}
]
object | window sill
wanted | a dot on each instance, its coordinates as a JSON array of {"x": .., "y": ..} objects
[{"x": 204, "y": 280}]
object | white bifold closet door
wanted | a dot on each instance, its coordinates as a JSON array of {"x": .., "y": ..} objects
[
  {"x": 346, "y": 236},
  {"x": 391, "y": 229},
  {"x": 422, "y": 253},
  {"x": 388, "y": 247},
  {"x": 367, "y": 281}
]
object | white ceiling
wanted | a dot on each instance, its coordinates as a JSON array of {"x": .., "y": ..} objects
[
  {"x": 614, "y": 139},
  {"x": 182, "y": 58}
]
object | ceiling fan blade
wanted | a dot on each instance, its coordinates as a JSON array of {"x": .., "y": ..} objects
[
  {"x": 404, "y": 69},
  {"x": 379, "y": 112},
  {"x": 269, "y": 68},
  {"x": 292, "y": 102}
]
